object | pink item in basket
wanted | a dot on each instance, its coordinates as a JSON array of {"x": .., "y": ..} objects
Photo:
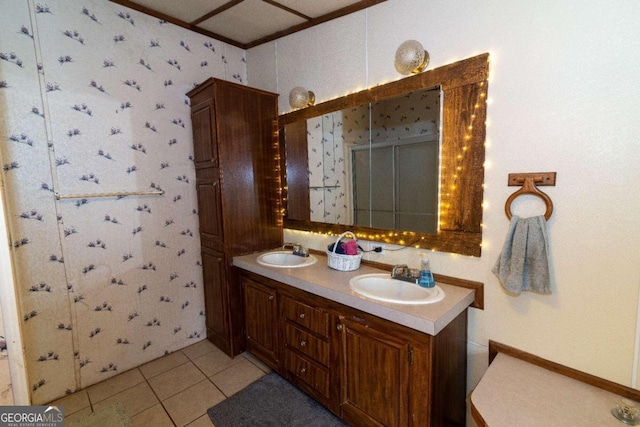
[{"x": 350, "y": 247}]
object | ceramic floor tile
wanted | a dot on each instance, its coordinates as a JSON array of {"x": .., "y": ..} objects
[
  {"x": 237, "y": 377},
  {"x": 6, "y": 392},
  {"x": 215, "y": 361},
  {"x": 135, "y": 399},
  {"x": 203, "y": 421},
  {"x": 73, "y": 402},
  {"x": 192, "y": 403},
  {"x": 155, "y": 416},
  {"x": 259, "y": 363},
  {"x": 176, "y": 380},
  {"x": 198, "y": 349},
  {"x": 163, "y": 364},
  {"x": 76, "y": 415},
  {"x": 114, "y": 385}
]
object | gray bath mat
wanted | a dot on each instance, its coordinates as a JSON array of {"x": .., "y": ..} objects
[{"x": 272, "y": 402}]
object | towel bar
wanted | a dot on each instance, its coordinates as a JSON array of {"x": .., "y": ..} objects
[
  {"x": 115, "y": 194},
  {"x": 528, "y": 182}
]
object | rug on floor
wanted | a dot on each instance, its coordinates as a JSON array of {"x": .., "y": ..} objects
[
  {"x": 272, "y": 401},
  {"x": 115, "y": 415}
]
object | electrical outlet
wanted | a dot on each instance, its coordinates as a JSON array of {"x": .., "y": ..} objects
[
  {"x": 372, "y": 247},
  {"x": 378, "y": 248}
]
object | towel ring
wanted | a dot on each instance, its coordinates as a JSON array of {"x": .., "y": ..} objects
[{"x": 529, "y": 187}]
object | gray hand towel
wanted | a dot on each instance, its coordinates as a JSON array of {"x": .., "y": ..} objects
[{"x": 523, "y": 264}]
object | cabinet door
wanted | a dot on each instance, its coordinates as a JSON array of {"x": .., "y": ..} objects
[
  {"x": 248, "y": 163},
  {"x": 205, "y": 141},
  {"x": 374, "y": 378},
  {"x": 210, "y": 209},
  {"x": 215, "y": 297},
  {"x": 260, "y": 307}
]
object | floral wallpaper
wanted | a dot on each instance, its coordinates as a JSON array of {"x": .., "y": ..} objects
[
  {"x": 92, "y": 101},
  {"x": 328, "y": 193},
  {"x": 330, "y": 138}
]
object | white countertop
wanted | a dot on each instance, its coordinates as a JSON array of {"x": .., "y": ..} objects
[
  {"x": 514, "y": 392},
  {"x": 319, "y": 279}
]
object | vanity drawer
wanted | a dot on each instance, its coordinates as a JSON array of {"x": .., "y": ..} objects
[
  {"x": 306, "y": 343},
  {"x": 306, "y": 316},
  {"x": 313, "y": 375}
]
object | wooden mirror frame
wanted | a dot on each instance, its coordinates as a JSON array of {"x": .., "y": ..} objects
[{"x": 464, "y": 90}]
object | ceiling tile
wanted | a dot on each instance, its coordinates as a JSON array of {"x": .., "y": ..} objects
[
  {"x": 250, "y": 20},
  {"x": 185, "y": 10},
  {"x": 247, "y": 23},
  {"x": 315, "y": 8}
]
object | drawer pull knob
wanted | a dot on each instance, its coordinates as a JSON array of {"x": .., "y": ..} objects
[
  {"x": 270, "y": 297},
  {"x": 301, "y": 315},
  {"x": 303, "y": 370},
  {"x": 303, "y": 343},
  {"x": 339, "y": 327}
]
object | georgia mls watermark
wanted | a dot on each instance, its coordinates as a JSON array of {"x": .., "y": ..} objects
[{"x": 31, "y": 416}]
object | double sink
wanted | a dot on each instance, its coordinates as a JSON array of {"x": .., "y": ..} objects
[{"x": 377, "y": 286}]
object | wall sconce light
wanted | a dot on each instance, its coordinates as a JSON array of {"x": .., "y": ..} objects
[
  {"x": 411, "y": 58},
  {"x": 299, "y": 97}
]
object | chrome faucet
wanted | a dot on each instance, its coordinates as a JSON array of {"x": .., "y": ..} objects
[
  {"x": 395, "y": 273},
  {"x": 403, "y": 272},
  {"x": 297, "y": 249}
]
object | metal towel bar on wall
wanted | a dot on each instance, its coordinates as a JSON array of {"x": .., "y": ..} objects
[
  {"x": 116, "y": 194},
  {"x": 530, "y": 183}
]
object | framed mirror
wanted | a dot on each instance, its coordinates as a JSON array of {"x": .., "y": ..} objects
[{"x": 400, "y": 163}]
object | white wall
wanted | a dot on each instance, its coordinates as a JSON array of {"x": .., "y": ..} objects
[{"x": 563, "y": 97}]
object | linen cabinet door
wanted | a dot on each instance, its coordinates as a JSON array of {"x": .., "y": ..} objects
[
  {"x": 205, "y": 141},
  {"x": 261, "y": 315},
  {"x": 215, "y": 297},
  {"x": 210, "y": 209},
  {"x": 374, "y": 375}
]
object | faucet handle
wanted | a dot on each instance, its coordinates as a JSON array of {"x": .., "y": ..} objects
[
  {"x": 300, "y": 251},
  {"x": 288, "y": 245},
  {"x": 403, "y": 267}
]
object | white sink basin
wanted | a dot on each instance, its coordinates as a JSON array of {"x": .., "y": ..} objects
[
  {"x": 382, "y": 287},
  {"x": 285, "y": 259}
]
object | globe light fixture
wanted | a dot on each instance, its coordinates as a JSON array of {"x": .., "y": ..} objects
[
  {"x": 411, "y": 58},
  {"x": 299, "y": 97}
]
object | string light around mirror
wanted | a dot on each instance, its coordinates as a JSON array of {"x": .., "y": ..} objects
[
  {"x": 456, "y": 165},
  {"x": 447, "y": 191}
]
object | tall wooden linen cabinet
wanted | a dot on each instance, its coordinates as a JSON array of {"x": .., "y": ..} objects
[{"x": 235, "y": 145}]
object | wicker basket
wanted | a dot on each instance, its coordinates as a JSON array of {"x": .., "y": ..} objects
[{"x": 343, "y": 262}]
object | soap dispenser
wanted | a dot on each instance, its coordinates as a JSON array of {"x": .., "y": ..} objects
[{"x": 426, "y": 277}]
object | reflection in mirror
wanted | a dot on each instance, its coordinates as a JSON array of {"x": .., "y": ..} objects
[
  {"x": 322, "y": 145},
  {"x": 377, "y": 165}
]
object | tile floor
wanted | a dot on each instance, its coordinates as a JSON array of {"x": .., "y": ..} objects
[{"x": 175, "y": 390}]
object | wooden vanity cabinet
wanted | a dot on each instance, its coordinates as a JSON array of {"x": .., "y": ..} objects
[
  {"x": 391, "y": 375},
  {"x": 375, "y": 375},
  {"x": 235, "y": 154},
  {"x": 292, "y": 335},
  {"x": 307, "y": 346},
  {"x": 367, "y": 370},
  {"x": 261, "y": 320}
]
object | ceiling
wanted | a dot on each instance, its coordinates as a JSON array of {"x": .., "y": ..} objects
[{"x": 247, "y": 23}]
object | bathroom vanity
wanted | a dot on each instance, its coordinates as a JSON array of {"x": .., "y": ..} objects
[{"x": 371, "y": 363}]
